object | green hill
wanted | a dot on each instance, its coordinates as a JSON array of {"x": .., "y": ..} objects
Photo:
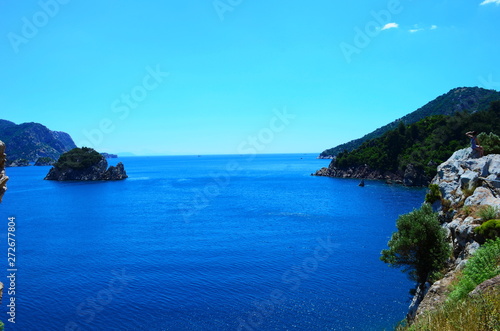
[
  {"x": 469, "y": 99},
  {"x": 30, "y": 141},
  {"x": 424, "y": 144}
]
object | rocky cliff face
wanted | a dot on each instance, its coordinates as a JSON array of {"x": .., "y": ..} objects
[
  {"x": 410, "y": 177},
  {"x": 98, "y": 171},
  {"x": 3, "y": 177},
  {"x": 467, "y": 184}
]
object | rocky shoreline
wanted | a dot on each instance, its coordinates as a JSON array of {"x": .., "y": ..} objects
[
  {"x": 466, "y": 184},
  {"x": 410, "y": 177}
]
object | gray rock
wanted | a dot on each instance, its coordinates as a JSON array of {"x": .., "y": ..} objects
[
  {"x": 486, "y": 286},
  {"x": 469, "y": 179},
  {"x": 494, "y": 167},
  {"x": 422, "y": 290},
  {"x": 3, "y": 176},
  {"x": 482, "y": 196}
]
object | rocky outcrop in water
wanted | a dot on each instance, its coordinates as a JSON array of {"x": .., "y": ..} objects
[
  {"x": 85, "y": 164},
  {"x": 3, "y": 177},
  {"x": 466, "y": 184}
]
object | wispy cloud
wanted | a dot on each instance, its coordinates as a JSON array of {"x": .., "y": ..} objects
[
  {"x": 391, "y": 26},
  {"x": 485, "y": 2},
  {"x": 417, "y": 28}
]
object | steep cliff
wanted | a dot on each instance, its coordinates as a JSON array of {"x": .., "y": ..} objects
[
  {"x": 3, "y": 177},
  {"x": 467, "y": 184}
]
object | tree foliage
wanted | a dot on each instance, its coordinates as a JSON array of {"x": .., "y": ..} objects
[
  {"x": 419, "y": 246},
  {"x": 490, "y": 143},
  {"x": 470, "y": 99},
  {"x": 78, "y": 158},
  {"x": 425, "y": 144}
]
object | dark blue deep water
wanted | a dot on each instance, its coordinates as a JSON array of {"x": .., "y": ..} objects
[{"x": 204, "y": 243}]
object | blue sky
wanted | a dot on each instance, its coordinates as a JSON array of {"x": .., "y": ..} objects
[{"x": 236, "y": 76}]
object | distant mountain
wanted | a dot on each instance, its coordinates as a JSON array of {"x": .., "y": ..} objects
[
  {"x": 469, "y": 99},
  {"x": 30, "y": 141}
]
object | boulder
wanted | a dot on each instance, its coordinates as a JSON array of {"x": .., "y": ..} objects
[
  {"x": 486, "y": 286},
  {"x": 469, "y": 179},
  {"x": 482, "y": 196}
]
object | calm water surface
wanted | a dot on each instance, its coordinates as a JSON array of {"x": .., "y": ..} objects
[{"x": 204, "y": 243}]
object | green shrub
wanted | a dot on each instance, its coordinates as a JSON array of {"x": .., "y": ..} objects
[
  {"x": 488, "y": 213},
  {"x": 78, "y": 158},
  {"x": 419, "y": 246},
  {"x": 434, "y": 194},
  {"x": 482, "y": 265},
  {"x": 490, "y": 143},
  {"x": 489, "y": 229}
]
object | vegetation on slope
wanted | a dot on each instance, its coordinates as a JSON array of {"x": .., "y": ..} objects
[
  {"x": 31, "y": 141},
  {"x": 424, "y": 144},
  {"x": 465, "y": 312},
  {"x": 469, "y": 99}
]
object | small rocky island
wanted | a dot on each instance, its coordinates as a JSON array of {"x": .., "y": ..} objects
[{"x": 85, "y": 164}]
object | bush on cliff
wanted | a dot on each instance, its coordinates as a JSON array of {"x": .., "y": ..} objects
[
  {"x": 490, "y": 143},
  {"x": 419, "y": 246},
  {"x": 78, "y": 158},
  {"x": 489, "y": 229},
  {"x": 488, "y": 212},
  {"x": 483, "y": 265},
  {"x": 434, "y": 194}
]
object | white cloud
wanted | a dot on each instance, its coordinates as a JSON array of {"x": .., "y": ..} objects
[
  {"x": 391, "y": 25},
  {"x": 434, "y": 27},
  {"x": 485, "y": 2},
  {"x": 415, "y": 30}
]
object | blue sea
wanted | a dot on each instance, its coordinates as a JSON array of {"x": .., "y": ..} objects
[{"x": 203, "y": 243}]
